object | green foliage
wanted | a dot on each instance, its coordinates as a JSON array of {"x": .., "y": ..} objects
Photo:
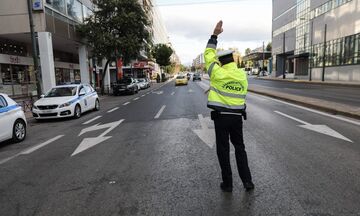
[
  {"x": 162, "y": 53},
  {"x": 118, "y": 28},
  {"x": 269, "y": 47}
]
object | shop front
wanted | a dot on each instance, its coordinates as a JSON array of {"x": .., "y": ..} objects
[
  {"x": 67, "y": 73},
  {"x": 17, "y": 76}
]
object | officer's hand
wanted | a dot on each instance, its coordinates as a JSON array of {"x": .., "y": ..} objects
[{"x": 218, "y": 28}]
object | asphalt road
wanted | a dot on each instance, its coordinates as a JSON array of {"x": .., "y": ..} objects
[
  {"x": 339, "y": 94},
  {"x": 143, "y": 156}
]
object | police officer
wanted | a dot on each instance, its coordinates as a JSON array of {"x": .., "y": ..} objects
[{"x": 228, "y": 88}]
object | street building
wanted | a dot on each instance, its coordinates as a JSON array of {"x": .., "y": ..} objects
[
  {"x": 316, "y": 39},
  {"x": 258, "y": 59},
  {"x": 63, "y": 58}
]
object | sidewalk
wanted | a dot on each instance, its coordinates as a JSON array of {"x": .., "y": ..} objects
[
  {"x": 323, "y": 105},
  {"x": 334, "y": 83}
]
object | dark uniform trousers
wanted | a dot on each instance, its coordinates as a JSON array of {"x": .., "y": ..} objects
[{"x": 231, "y": 125}]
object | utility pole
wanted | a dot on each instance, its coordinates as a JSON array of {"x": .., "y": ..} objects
[
  {"x": 284, "y": 61},
  {"x": 324, "y": 56},
  {"x": 263, "y": 57},
  {"x": 34, "y": 49},
  {"x": 311, "y": 50}
]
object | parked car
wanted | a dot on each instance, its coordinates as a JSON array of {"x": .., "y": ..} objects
[
  {"x": 181, "y": 80},
  {"x": 126, "y": 86},
  {"x": 66, "y": 101},
  {"x": 12, "y": 120},
  {"x": 144, "y": 83},
  {"x": 196, "y": 77}
]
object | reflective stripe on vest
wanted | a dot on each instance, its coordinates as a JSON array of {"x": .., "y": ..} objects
[
  {"x": 227, "y": 94},
  {"x": 211, "y": 68},
  {"x": 238, "y": 107}
]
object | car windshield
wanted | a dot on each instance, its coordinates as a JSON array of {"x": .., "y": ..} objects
[
  {"x": 180, "y": 77},
  {"x": 61, "y": 92},
  {"x": 125, "y": 81},
  {"x": 141, "y": 80}
]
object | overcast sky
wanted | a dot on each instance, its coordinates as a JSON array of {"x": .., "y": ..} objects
[{"x": 247, "y": 23}]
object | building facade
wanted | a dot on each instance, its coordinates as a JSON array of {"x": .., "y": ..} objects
[
  {"x": 63, "y": 58},
  {"x": 316, "y": 39}
]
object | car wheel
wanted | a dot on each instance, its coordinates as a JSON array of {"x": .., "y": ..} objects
[
  {"x": 77, "y": 111},
  {"x": 97, "y": 105},
  {"x": 19, "y": 131}
]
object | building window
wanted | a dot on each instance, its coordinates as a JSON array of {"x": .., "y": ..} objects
[
  {"x": 74, "y": 9},
  {"x": 57, "y": 5}
]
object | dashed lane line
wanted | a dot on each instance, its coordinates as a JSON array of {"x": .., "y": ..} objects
[
  {"x": 31, "y": 149},
  {"x": 126, "y": 103},
  {"x": 143, "y": 95},
  {"x": 172, "y": 93},
  {"x": 112, "y": 110},
  {"x": 136, "y": 99},
  {"x": 160, "y": 112},
  {"x": 91, "y": 120}
]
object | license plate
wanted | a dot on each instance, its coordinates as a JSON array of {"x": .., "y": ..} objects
[{"x": 46, "y": 111}]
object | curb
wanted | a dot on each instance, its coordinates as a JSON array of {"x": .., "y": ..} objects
[
  {"x": 310, "y": 82},
  {"x": 320, "y": 107}
]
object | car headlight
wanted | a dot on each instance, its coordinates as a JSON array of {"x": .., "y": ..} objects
[
  {"x": 65, "y": 104},
  {"x": 35, "y": 107}
]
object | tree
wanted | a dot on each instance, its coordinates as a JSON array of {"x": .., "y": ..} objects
[
  {"x": 117, "y": 29},
  {"x": 247, "y": 51},
  {"x": 269, "y": 47},
  {"x": 162, "y": 54},
  {"x": 242, "y": 64}
]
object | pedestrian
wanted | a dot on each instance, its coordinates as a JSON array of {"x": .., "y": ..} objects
[{"x": 228, "y": 88}]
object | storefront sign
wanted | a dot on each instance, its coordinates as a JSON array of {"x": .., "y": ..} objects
[
  {"x": 141, "y": 64},
  {"x": 38, "y": 5},
  {"x": 18, "y": 60}
]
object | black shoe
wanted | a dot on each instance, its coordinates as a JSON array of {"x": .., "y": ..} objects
[
  {"x": 249, "y": 186},
  {"x": 225, "y": 188}
]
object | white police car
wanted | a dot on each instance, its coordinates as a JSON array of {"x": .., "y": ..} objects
[
  {"x": 66, "y": 101},
  {"x": 12, "y": 120}
]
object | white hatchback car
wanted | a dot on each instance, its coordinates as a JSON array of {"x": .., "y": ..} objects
[
  {"x": 66, "y": 101},
  {"x": 12, "y": 120}
]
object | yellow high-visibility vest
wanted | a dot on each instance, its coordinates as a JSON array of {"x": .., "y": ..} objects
[{"x": 228, "y": 84}]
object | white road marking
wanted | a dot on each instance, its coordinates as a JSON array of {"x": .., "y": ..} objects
[
  {"x": 311, "y": 110},
  {"x": 293, "y": 118},
  {"x": 112, "y": 110},
  {"x": 136, "y": 99},
  {"x": 158, "y": 92},
  {"x": 91, "y": 120},
  {"x": 323, "y": 129},
  {"x": 190, "y": 90},
  {"x": 172, "y": 93},
  {"x": 87, "y": 143},
  {"x": 34, "y": 148},
  {"x": 160, "y": 111},
  {"x": 143, "y": 95},
  {"x": 126, "y": 103},
  {"x": 205, "y": 134}
]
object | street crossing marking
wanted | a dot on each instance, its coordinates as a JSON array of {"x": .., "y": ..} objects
[
  {"x": 323, "y": 129},
  {"x": 91, "y": 120},
  {"x": 126, "y": 103},
  {"x": 160, "y": 111},
  {"x": 136, "y": 99},
  {"x": 112, "y": 110}
]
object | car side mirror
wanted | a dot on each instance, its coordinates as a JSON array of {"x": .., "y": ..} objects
[
  {"x": 42, "y": 96},
  {"x": 82, "y": 92}
]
